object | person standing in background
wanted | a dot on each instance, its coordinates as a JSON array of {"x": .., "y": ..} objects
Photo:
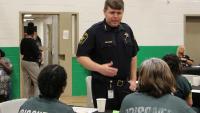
[
  {"x": 38, "y": 41},
  {"x": 108, "y": 49},
  {"x": 5, "y": 72},
  {"x": 30, "y": 63},
  {"x": 185, "y": 59}
]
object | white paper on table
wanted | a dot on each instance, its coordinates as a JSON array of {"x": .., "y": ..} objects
[
  {"x": 84, "y": 110},
  {"x": 195, "y": 91},
  {"x": 193, "y": 79}
]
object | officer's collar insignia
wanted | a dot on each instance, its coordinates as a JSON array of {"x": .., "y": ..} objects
[
  {"x": 126, "y": 35},
  {"x": 84, "y": 38},
  {"x": 108, "y": 42}
]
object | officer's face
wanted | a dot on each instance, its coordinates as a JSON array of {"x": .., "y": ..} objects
[{"x": 113, "y": 16}]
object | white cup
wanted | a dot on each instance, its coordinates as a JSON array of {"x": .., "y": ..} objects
[{"x": 101, "y": 104}]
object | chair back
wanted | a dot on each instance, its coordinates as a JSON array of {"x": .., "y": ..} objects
[
  {"x": 89, "y": 91},
  {"x": 11, "y": 106}
]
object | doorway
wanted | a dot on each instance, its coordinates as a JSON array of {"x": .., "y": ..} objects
[
  {"x": 192, "y": 37},
  {"x": 59, "y": 37}
]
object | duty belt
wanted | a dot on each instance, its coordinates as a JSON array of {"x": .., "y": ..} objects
[{"x": 118, "y": 83}]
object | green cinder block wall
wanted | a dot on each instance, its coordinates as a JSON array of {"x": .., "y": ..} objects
[{"x": 78, "y": 72}]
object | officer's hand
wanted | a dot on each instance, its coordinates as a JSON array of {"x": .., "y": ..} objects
[
  {"x": 108, "y": 70},
  {"x": 133, "y": 85}
]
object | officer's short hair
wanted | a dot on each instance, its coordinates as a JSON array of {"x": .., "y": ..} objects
[
  {"x": 114, "y": 4},
  {"x": 52, "y": 81}
]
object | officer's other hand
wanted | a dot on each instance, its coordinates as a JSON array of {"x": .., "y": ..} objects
[
  {"x": 133, "y": 85},
  {"x": 108, "y": 70}
]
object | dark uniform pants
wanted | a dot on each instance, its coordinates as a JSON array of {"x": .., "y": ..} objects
[{"x": 100, "y": 87}]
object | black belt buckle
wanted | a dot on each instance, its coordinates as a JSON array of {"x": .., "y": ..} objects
[{"x": 120, "y": 83}]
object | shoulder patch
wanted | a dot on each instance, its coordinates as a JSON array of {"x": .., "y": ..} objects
[{"x": 84, "y": 38}]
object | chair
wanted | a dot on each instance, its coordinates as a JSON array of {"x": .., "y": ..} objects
[
  {"x": 89, "y": 91},
  {"x": 11, "y": 106}
]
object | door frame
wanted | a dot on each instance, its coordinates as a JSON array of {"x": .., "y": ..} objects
[
  {"x": 185, "y": 25},
  {"x": 60, "y": 35}
]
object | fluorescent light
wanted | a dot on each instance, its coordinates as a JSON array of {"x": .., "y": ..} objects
[
  {"x": 27, "y": 15},
  {"x": 28, "y": 19}
]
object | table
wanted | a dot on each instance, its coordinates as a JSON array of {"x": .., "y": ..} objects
[
  {"x": 107, "y": 111},
  {"x": 86, "y": 109},
  {"x": 194, "y": 70}
]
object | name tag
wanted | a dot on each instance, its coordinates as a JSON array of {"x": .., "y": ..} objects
[
  {"x": 108, "y": 42},
  {"x": 110, "y": 94}
]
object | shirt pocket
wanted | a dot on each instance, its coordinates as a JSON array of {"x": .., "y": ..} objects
[
  {"x": 107, "y": 49},
  {"x": 129, "y": 46}
]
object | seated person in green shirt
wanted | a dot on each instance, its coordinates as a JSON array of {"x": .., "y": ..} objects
[
  {"x": 184, "y": 88},
  {"x": 51, "y": 83},
  {"x": 156, "y": 85}
]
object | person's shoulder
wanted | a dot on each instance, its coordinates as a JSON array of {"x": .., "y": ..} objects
[
  {"x": 174, "y": 99},
  {"x": 125, "y": 25},
  {"x": 28, "y": 102},
  {"x": 182, "y": 79},
  {"x": 96, "y": 26},
  {"x": 180, "y": 104},
  {"x": 23, "y": 39},
  {"x": 27, "y": 40},
  {"x": 64, "y": 107},
  {"x": 134, "y": 95},
  {"x": 61, "y": 104},
  {"x": 186, "y": 83}
]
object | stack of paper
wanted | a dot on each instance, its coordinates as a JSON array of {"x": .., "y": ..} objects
[{"x": 84, "y": 110}]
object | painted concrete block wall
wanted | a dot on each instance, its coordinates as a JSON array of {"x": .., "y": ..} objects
[{"x": 155, "y": 23}]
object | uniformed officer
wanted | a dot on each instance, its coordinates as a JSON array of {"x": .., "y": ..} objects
[{"x": 109, "y": 50}]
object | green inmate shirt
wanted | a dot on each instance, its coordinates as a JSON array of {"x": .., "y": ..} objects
[
  {"x": 40, "y": 105},
  {"x": 142, "y": 103},
  {"x": 184, "y": 88}
]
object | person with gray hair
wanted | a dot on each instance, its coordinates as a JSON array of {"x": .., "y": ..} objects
[
  {"x": 156, "y": 86},
  {"x": 109, "y": 50}
]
